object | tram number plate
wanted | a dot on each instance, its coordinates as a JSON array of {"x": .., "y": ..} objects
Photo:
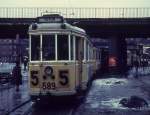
[{"x": 48, "y": 85}]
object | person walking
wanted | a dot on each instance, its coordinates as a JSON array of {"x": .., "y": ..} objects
[
  {"x": 25, "y": 61},
  {"x": 17, "y": 75},
  {"x": 136, "y": 64}
]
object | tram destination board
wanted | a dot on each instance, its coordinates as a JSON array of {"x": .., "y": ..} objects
[{"x": 50, "y": 19}]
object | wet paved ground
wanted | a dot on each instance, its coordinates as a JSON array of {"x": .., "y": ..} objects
[
  {"x": 53, "y": 109},
  {"x": 102, "y": 99},
  {"x": 106, "y": 93},
  {"x": 10, "y": 99}
]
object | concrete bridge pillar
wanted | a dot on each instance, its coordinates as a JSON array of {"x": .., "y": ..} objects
[{"x": 117, "y": 53}]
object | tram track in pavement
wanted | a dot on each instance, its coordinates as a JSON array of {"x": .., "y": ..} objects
[
  {"x": 20, "y": 109},
  {"x": 29, "y": 108},
  {"x": 58, "y": 112},
  {"x": 53, "y": 111},
  {"x": 29, "y": 111},
  {"x": 26, "y": 108},
  {"x": 58, "y": 108}
]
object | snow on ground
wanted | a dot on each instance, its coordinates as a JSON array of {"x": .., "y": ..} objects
[
  {"x": 107, "y": 92},
  {"x": 114, "y": 103},
  {"x": 110, "y": 81}
]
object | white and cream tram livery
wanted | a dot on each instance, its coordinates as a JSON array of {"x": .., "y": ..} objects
[{"x": 62, "y": 59}]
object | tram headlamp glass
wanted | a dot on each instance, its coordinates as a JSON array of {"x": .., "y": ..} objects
[
  {"x": 48, "y": 71},
  {"x": 63, "y": 26},
  {"x": 34, "y": 26}
]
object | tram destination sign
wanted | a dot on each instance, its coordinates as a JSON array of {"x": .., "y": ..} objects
[{"x": 50, "y": 19}]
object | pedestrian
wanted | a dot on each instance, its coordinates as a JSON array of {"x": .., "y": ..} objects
[
  {"x": 25, "y": 61},
  {"x": 17, "y": 75},
  {"x": 136, "y": 64},
  {"x": 132, "y": 61}
]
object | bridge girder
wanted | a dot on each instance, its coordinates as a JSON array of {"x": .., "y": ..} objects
[{"x": 95, "y": 27}]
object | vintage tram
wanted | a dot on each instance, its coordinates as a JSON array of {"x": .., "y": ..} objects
[{"x": 62, "y": 60}]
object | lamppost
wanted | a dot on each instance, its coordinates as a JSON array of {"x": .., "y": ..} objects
[{"x": 18, "y": 48}]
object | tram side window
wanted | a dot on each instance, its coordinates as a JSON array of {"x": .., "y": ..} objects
[
  {"x": 87, "y": 50},
  {"x": 35, "y": 47},
  {"x": 96, "y": 54},
  {"x": 90, "y": 53},
  {"x": 71, "y": 47},
  {"x": 62, "y": 47},
  {"x": 48, "y": 47},
  {"x": 82, "y": 48},
  {"x": 77, "y": 48}
]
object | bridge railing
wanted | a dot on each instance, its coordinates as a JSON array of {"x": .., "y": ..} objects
[{"x": 76, "y": 12}]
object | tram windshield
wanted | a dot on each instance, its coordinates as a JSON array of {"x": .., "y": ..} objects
[
  {"x": 35, "y": 47},
  {"x": 63, "y": 48},
  {"x": 48, "y": 47}
]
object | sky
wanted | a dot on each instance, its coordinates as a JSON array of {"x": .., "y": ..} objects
[{"x": 75, "y": 3}]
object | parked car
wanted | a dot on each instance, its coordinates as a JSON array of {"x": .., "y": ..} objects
[{"x": 6, "y": 72}]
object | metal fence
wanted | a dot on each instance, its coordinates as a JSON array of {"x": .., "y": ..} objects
[{"x": 75, "y": 12}]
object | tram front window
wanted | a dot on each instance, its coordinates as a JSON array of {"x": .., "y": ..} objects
[
  {"x": 35, "y": 48},
  {"x": 63, "y": 53},
  {"x": 48, "y": 47}
]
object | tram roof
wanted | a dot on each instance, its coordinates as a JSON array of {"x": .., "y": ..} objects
[{"x": 55, "y": 26}]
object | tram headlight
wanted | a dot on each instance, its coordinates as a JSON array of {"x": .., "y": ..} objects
[
  {"x": 48, "y": 71},
  {"x": 34, "y": 26},
  {"x": 63, "y": 26}
]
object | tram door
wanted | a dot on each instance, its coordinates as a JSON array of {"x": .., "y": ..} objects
[{"x": 79, "y": 57}]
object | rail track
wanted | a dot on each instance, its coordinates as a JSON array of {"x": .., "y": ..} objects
[{"x": 21, "y": 109}]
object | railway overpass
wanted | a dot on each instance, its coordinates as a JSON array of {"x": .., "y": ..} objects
[{"x": 114, "y": 24}]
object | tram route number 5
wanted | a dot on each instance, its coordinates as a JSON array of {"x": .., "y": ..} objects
[
  {"x": 34, "y": 78},
  {"x": 63, "y": 74}
]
